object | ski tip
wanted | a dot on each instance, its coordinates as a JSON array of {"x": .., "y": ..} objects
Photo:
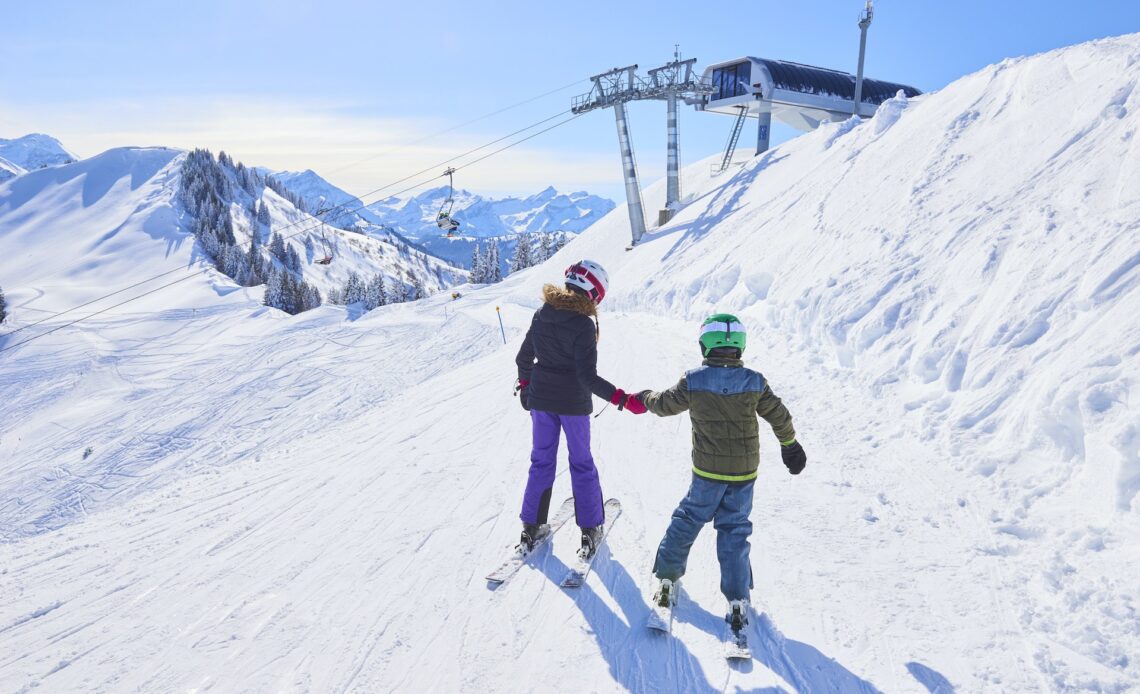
[{"x": 574, "y": 578}]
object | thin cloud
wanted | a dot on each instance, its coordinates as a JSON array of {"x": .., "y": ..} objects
[{"x": 355, "y": 152}]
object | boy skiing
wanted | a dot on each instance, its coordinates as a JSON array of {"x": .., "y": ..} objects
[
  {"x": 723, "y": 398},
  {"x": 558, "y": 372}
]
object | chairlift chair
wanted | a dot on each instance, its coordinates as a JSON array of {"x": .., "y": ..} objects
[
  {"x": 443, "y": 220},
  {"x": 324, "y": 239},
  {"x": 328, "y": 250}
]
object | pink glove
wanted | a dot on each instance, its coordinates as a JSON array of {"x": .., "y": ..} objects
[
  {"x": 634, "y": 404},
  {"x": 627, "y": 402}
]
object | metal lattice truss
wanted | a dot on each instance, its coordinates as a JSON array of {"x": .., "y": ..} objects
[{"x": 623, "y": 84}]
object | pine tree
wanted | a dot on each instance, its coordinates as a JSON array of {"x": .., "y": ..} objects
[
  {"x": 381, "y": 290},
  {"x": 292, "y": 260},
  {"x": 255, "y": 263},
  {"x": 374, "y": 293},
  {"x": 545, "y": 249},
  {"x": 263, "y": 214},
  {"x": 277, "y": 247},
  {"x": 3, "y": 306},
  {"x": 522, "y": 259},
  {"x": 478, "y": 266},
  {"x": 494, "y": 265},
  {"x": 353, "y": 289},
  {"x": 418, "y": 287},
  {"x": 273, "y": 290}
]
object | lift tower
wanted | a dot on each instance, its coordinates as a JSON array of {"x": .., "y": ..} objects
[
  {"x": 671, "y": 82},
  {"x": 614, "y": 89},
  {"x": 864, "y": 23}
]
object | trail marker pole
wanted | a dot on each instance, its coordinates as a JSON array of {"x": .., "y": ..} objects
[{"x": 501, "y": 329}]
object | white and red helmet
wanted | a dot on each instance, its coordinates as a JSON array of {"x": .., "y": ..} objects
[{"x": 590, "y": 278}]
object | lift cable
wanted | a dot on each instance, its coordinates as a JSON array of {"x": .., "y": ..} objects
[{"x": 457, "y": 127}]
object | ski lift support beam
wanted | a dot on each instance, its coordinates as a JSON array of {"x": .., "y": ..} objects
[
  {"x": 671, "y": 82},
  {"x": 864, "y": 24},
  {"x": 613, "y": 89}
]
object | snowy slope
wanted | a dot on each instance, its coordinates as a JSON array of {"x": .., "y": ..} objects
[
  {"x": 352, "y": 251},
  {"x": 9, "y": 170},
  {"x": 35, "y": 151},
  {"x": 72, "y": 233},
  {"x": 946, "y": 297},
  {"x": 77, "y": 232}
]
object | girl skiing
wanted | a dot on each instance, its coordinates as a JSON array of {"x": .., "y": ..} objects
[{"x": 558, "y": 372}]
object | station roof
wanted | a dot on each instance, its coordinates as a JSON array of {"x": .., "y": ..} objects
[{"x": 808, "y": 79}]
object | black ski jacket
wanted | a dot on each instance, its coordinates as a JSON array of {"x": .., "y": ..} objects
[{"x": 559, "y": 355}]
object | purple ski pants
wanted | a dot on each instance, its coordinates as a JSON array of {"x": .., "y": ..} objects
[{"x": 546, "y": 428}]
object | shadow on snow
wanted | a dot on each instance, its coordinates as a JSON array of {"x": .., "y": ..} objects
[{"x": 640, "y": 659}]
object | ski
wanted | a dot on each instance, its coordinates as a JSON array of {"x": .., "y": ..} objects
[
  {"x": 661, "y": 616},
  {"x": 519, "y": 555},
  {"x": 578, "y": 573},
  {"x": 736, "y": 645},
  {"x": 736, "y": 635},
  {"x": 661, "y": 619}
]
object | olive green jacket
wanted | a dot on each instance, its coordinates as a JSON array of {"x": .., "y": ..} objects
[{"x": 723, "y": 399}]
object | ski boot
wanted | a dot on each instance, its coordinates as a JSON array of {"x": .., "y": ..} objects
[
  {"x": 737, "y": 616},
  {"x": 531, "y": 534},
  {"x": 666, "y": 595},
  {"x": 591, "y": 537}
]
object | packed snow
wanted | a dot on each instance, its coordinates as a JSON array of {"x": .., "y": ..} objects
[{"x": 203, "y": 492}]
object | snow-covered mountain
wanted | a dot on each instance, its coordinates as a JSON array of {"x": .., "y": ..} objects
[
  {"x": 9, "y": 170},
  {"x": 338, "y": 207},
  {"x": 482, "y": 219},
  {"x": 485, "y": 219},
  {"x": 197, "y": 492},
  {"x": 78, "y": 231},
  {"x": 35, "y": 151}
]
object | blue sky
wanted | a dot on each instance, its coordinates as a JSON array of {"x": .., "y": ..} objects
[{"x": 337, "y": 86}]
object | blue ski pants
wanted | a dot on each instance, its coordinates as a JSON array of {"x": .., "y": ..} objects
[
  {"x": 546, "y": 429},
  {"x": 728, "y": 506}
]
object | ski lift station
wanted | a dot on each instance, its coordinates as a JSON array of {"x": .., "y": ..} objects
[{"x": 802, "y": 96}]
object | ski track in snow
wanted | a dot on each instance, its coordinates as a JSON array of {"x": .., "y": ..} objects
[{"x": 311, "y": 503}]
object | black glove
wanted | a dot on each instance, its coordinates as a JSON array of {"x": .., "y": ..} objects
[
  {"x": 520, "y": 390},
  {"x": 794, "y": 457}
]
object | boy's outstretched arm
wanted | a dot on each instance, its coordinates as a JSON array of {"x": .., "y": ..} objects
[
  {"x": 773, "y": 411},
  {"x": 667, "y": 402}
]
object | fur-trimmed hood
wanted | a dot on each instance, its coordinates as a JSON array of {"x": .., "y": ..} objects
[{"x": 569, "y": 300}]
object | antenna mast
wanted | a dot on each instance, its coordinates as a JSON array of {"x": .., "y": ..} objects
[{"x": 864, "y": 23}]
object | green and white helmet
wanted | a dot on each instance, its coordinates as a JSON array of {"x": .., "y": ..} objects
[{"x": 722, "y": 330}]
